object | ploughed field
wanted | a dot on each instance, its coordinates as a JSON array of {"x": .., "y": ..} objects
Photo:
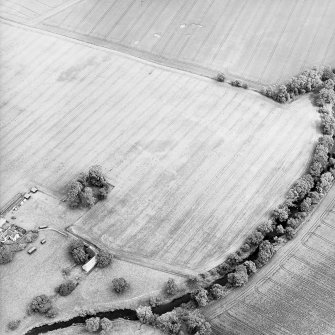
[
  {"x": 27, "y": 11},
  {"x": 294, "y": 294},
  {"x": 261, "y": 41},
  {"x": 196, "y": 164}
]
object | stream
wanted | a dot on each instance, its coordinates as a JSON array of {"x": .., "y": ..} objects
[{"x": 127, "y": 314}]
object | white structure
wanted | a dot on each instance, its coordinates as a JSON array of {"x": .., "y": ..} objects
[
  {"x": 2, "y": 221},
  {"x": 89, "y": 266},
  {"x": 34, "y": 189}
]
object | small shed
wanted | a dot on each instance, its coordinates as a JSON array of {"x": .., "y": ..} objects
[
  {"x": 34, "y": 189},
  {"x": 89, "y": 266},
  {"x": 27, "y": 196}
]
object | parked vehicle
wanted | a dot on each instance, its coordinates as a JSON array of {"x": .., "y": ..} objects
[{"x": 32, "y": 250}]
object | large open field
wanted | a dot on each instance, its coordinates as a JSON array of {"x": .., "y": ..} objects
[
  {"x": 294, "y": 294},
  {"x": 195, "y": 164},
  {"x": 261, "y": 41},
  {"x": 27, "y": 11}
]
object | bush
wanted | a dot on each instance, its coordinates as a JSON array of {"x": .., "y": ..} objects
[
  {"x": 145, "y": 315},
  {"x": 327, "y": 74},
  {"x": 236, "y": 83},
  {"x": 120, "y": 285},
  {"x": 92, "y": 324},
  {"x": 196, "y": 323},
  {"x": 73, "y": 193},
  {"x": 169, "y": 323},
  {"x": 78, "y": 252},
  {"x": 224, "y": 268},
  {"x": 104, "y": 259},
  {"x": 250, "y": 266},
  {"x": 171, "y": 287},
  {"x": 6, "y": 255},
  {"x": 265, "y": 253},
  {"x": 30, "y": 237},
  {"x": 194, "y": 282},
  {"x": 290, "y": 233},
  {"x": 106, "y": 326},
  {"x": 306, "y": 205},
  {"x": 220, "y": 77},
  {"x": 14, "y": 324},
  {"x": 154, "y": 301},
  {"x": 95, "y": 176},
  {"x": 40, "y": 304},
  {"x": 315, "y": 169},
  {"x": 327, "y": 141},
  {"x": 280, "y": 230},
  {"x": 281, "y": 213},
  {"x": 66, "y": 288},
  {"x": 201, "y": 297},
  {"x": 239, "y": 277},
  {"x": 254, "y": 238},
  {"x": 327, "y": 124},
  {"x": 326, "y": 181},
  {"x": 300, "y": 188},
  {"x": 265, "y": 228},
  {"x": 51, "y": 313},
  {"x": 102, "y": 193},
  {"x": 326, "y": 96},
  {"x": 218, "y": 291},
  {"x": 87, "y": 198},
  {"x": 233, "y": 259},
  {"x": 245, "y": 247}
]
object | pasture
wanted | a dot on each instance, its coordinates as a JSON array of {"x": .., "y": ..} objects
[
  {"x": 40, "y": 273},
  {"x": 196, "y": 164},
  {"x": 30, "y": 275},
  {"x": 294, "y": 294},
  {"x": 261, "y": 41}
]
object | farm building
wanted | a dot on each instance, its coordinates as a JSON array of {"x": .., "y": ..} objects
[
  {"x": 11, "y": 233},
  {"x": 89, "y": 266}
]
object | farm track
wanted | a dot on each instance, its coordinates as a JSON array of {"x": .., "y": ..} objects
[{"x": 294, "y": 293}]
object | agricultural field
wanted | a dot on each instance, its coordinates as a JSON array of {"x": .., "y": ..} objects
[
  {"x": 27, "y": 11},
  {"x": 294, "y": 294},
  {"x": 181, "y": 150},
  {"x": 263, "y": 42},
  {"x": 194, "y": 164}
]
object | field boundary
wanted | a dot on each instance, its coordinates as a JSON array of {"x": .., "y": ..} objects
[{"x": 132, "y": 257}]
